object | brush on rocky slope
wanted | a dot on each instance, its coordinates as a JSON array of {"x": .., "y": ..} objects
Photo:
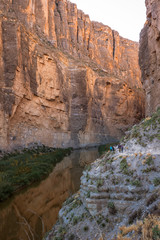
[{"x": 117, "y": 190}]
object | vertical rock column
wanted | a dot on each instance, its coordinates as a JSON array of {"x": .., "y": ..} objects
[{"x": 149, "y": 56}]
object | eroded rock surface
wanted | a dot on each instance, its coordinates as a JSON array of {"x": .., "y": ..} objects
[
  {"x": 117, "y": 190},
  {"x": 64, "y": 80},
  {"x": 149, "y": 56}
]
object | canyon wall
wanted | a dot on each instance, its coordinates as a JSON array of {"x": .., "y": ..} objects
[
  {"x": 149, "y": 55},
  {"x": 64, "y": 81}
]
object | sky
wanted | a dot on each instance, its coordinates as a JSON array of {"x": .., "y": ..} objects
[{"x": 125, "y": 16}]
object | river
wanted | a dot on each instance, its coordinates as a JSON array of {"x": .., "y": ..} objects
[{"x": 33, "y": 212}]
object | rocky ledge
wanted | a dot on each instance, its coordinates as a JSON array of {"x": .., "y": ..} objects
[{"x": 118, "y": 191}]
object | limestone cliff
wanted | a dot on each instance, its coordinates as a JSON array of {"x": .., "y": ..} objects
[
  {"x": 149, "y": 56},
  {"x": 64, "y": 80}
]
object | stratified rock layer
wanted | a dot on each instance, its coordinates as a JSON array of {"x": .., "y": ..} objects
[
  {"x": 64, "y": 80},
  {"x": 149, "y": 56},
  {"x": 119, "y": 189}
]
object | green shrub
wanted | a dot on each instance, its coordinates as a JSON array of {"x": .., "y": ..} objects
[
  {"x": 86, "y": 228},
  {"x": 103, "y": 225},
  {"x": 107, "y": 220},
  {"x": 99, "y": 219},
  {"x": 111, "y": 207},
  {"x": 88, "y": 194},
  {"x": 158, "y": 136},
  {"x": 62, "y": 230},
  {"x": 31, "y": 165},
  {"x": 68, "y": 201},
  {"x": 6, "y": 190},
  {"x": 156, "y": 233},
  {"x": 100, "y": 183},
  {"x": 135, "y": 134},
  {"x": 156, "y": 181},
  {"x": 124, "y": 167},
  {"x": 75, "y": 220},
  {"x": 149, "y": 160},
  {"x": 136, "y": 183},
  {"x": 149, "y": 169}
]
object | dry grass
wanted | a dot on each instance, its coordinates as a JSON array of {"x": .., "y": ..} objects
[{"x": 149, "y": 229}]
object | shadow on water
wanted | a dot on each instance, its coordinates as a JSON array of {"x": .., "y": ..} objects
[{"x": 34, "y": 211}]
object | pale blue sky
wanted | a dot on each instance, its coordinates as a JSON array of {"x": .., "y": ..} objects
[{"x": 125, "y": 16}]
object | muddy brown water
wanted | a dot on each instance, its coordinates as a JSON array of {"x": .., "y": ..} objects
[{"x": 33, "y": 212}]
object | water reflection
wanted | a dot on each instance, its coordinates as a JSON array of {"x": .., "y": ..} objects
[{"x": 32, "y": 213}]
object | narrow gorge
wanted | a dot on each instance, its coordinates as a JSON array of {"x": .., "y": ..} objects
[
  {"x": 119, "y": 197},
  {"x": 69, "y": 87}
]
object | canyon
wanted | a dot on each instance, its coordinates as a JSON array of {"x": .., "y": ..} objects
[
  {"x": 65, "y": 81},
  {"x": 119, "y": 196}
]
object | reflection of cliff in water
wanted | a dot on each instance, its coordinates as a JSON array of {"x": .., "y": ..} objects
[{"x": 32, "y": 213}]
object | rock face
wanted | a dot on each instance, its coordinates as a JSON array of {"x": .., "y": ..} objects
[
  {"x": 64, "y": 80},
  {"x": 149, "y": 56},
  {"x": 117, "y": 190}
]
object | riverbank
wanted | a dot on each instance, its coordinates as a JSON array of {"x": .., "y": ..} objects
[
  {"x": 20, "y": 169},
  {"x": 32, "y": 212}
]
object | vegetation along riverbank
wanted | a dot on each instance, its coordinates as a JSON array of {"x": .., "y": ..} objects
[{"x": 21, "y": 169}]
